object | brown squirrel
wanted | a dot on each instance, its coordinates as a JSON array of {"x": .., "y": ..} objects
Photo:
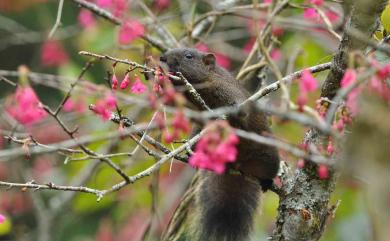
[{"x": 221, "y": 207}]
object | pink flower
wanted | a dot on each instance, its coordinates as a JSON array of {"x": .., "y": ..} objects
[
  {"x": 332, "y": 16},
  {"x": 130, "y": 30},
  {"x": 2, "y": 218},
  {"x": 349, "y": 78},
  {"x": 310, "y": 13},
  {"x": 77, "y": 105},
  {"x": 138, "y": 87},
  {"x": 214, "y": 151},
  {"x": 119, "y": 7},
  {"x": 330, "y": 147},
  {"x": 69, "y": 105},
  {"x": 276, "y": 55},
  {"x": 317, "y": 2},
  {"x": 162, "y": 4},
  {"x": 249, "y": 45},
  {"x": 25, "y": 106},
  {"x": 202, "y": 47},
  {"x": 105, "y": 106},
  {"x": 308, "y": 83},
  {"x": 352, "y": 98},
  {"x": 104, "y": 3},
  {"x": 384, "y": 72},
  {"x": 125, "y": 82},
  {"x": 322, "y": 171},
  {"x": 53, "y": 54},
  {"x": 86, "y": 19},
  {"x": 277, "y": 31},
  {"x": 111, "y": 101},
  {"x": 223, "y": 60},
  {"x": 301, "y": 163},
  {"x": 114, "y": 82},
  {"x": 268, "y": 1},
  {"x": 180, "y": 122}
]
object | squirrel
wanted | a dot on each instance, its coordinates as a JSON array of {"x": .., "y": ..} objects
[{"x": 222, "y": 206}]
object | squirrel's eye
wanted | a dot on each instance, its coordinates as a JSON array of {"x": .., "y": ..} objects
[{"x": 188, "y": 56}]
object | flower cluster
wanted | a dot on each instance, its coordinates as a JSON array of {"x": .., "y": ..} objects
[
  {"x": 130, "y": 30},
  {"x": 105, "y": 106},
  {"x": 137, "y": 87},
  {"x": 53, "y": 54},
  {"x": 86, "y": 19},
  {"x": 379, "y": 82},
  {"x": 180, "y": 125},
  {"x": 25, "y": 106},
  {"x": 312, "y": 14},
  {"x": 117, "y": 7},
  {"x": 216, "y": 148},
  {"x": 2, "y": 218}
]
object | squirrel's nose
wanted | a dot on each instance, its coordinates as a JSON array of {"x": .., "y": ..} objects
[{"x": 163, "y": 58}]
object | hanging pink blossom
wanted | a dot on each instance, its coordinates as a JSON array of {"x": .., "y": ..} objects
[
  {"x": 86, "y": 19},
  {"x": 114, "y": 82},
  {"x": 77, "y": 105},
  {"x": 69, "y": 105},
  {"x": 104, "y": 107},
  {"x": 352, "y": 97},
  {"x": 53, "y": 54},
  {"x": 322, "y": 171},
  {"x": 180, "y": 122},
  {"x": 310, "y": 13},
  {"x": 216, "y": 148},
  {"x": 380, "y": 87},
  {"x": 307, "y": 83},
  {"x": 130, "y": 31},
  {"x": 162, "y": 4},
  {"x": 180, "y": 125},
  {"x": 125, "y": 82},
  {"x": 348, "y": 78},
  {"x": 301, "y": 163},
  {"x": 268, "y": 1},
  {"x": 138, "y": 87},
  {"x": 2, "y": 218},
  {"x": 25, "y": 106},
  {"x": 383, "y": 71},
  {"x": 330, "y": 147}
]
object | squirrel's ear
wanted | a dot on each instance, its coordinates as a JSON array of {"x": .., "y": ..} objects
[{"x": 209, "y": 59}]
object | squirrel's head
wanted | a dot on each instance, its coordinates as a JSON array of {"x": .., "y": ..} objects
[{"x": 193, "y": 64}]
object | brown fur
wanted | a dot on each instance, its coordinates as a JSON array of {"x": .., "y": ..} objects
[{"x": 225, "y": 204}]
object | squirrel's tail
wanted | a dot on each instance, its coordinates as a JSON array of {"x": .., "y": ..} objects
[
  {"x": 226, "y": 205},
  {"x": 215, "y": 208}
]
